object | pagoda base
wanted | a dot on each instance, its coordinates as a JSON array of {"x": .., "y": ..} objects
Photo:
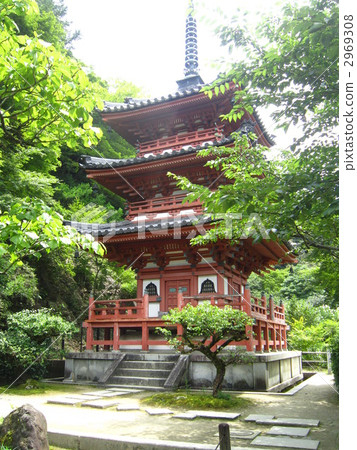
[{"x": 269, "y": 372}]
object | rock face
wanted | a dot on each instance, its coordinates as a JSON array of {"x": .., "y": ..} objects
[{"x": 25, "y": 428}]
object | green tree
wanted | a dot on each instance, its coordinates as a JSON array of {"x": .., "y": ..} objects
[
  {"x": 29, "y": 229},
  {"x": 209, "y": 330},
  {"x": 49, "y": 24},
  {"x": 45, "y": 101},
  {"x": 29, "y": 340},
  {"x": 290, "y": 61}
]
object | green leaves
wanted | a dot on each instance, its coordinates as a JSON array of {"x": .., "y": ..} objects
[
  {"x": 31, "y": 228},
  {"x": 204, "y": 322},
  {"x": 30, "y": 340}
]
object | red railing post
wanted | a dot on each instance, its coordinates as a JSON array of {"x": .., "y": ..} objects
[
  {"x": 91, "y": 306},
  {"x": 89, "y": 339},
  {"x": 146, "y": 306},
  {"x": 271, "y": 308},
  {"x": 264, "y": 300},
  {"x": 247, "y": 308},
  {"x": 144, "y": 336},
  {"x": 116, "y": 332}
]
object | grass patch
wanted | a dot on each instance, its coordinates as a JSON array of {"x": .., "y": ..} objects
[
  {"x": 189, "y": 400},
  {"x": 34, "y": 387}
]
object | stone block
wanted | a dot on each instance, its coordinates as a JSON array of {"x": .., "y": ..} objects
[
  {"x": 64, "y": 401},
  {"x": 285, "y": 370},
  {"x": 158, "y": 411},
  {"x": 128, "y": 408},
  {"x": 285, "y": 442},
  {"x": 274, "y": 372},
  {"x": 216, "y": 415},
  {"x": 292, "y": 422},
  {"x": 289, "y": 431},
  {"x": 185, "y": 416},
  {"x": 100, "y": 404},
  {"x": 295, "y": 366},
  {"x": 255, "y": 417},
  {"x": 260, "y": 375}
]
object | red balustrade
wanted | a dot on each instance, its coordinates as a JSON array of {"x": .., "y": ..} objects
[
  {"x": 267, "y": 332},
  {"x": 161, "y": 204},
  {"x": 179, "y": 140}
]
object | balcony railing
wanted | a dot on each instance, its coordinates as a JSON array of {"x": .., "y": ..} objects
[
  {"x": 268, "y": 330},
  {"x": 178, "y": 141},
  {"x": 161, "y": 204}
]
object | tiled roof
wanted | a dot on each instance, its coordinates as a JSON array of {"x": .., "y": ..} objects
[
  {"x": 135, "y": 103},
  {"x": 130, "y": 227},
  {"x": 91, "y": 162}
]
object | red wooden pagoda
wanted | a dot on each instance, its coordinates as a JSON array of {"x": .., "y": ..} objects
[{"x": 155, "y": 237}]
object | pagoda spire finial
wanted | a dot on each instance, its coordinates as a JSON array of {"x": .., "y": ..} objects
[
  {"x": 191, "y": 52},
  {"x": 192, "y": 77}
]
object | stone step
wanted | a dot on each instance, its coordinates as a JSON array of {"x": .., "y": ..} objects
[
  {"x": 162, "y": 365},
  {"x": 145, "y": 373},
  {"x": 137, "y": 381},
  {"x": 165, "y": 357},
  {"x": 140, "y": 388}
]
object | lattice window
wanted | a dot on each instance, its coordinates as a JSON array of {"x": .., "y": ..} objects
[
  {"x": 151, "y": 289},
  {"x": 207, "y": 286}
]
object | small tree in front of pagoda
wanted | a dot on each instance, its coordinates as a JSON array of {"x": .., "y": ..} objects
[{"x": 209, "y": 330}]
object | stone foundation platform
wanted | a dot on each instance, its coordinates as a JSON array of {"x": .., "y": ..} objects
[{"x": 272, "y": 371}]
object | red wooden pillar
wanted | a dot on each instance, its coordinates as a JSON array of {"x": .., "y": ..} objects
[
  {"x": 248, "y": 309},
  {"x": 220, "y": 284},
  {"x": 274, "y": 337},
  {"x": 116, "y": 335},
  {"x": 259, "y": 346},
  {"x": 266, "y": 332},
  {"x": 146, "y": 306},
  {"x": 145, "y": 336},
  {"x": 271, "y": 308},
  {"x": 89, "y": 340},
  {"x": 91, "y": 307}
]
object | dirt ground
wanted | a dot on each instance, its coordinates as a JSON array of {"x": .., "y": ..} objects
[{"x": 318, "y": 399}]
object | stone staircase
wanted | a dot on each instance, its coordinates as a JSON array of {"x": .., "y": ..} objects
[{"x": 145, "y": 371}]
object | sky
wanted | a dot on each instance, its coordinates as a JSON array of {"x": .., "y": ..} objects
[{"x": 143, "y": 41}]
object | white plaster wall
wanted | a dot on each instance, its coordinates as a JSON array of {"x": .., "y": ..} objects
[{"x": 225, "y": 286}]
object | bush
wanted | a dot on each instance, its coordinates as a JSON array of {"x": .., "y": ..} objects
[
  {"x": 334, "y": 348},
  {"x": 29, "y": 341}
]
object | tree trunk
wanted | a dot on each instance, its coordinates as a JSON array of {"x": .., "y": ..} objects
[{"x": 217, "y": 382}]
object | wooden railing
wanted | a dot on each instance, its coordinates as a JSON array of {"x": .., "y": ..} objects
[
  {"x": 268, "y": 331},
  {"x": 137, "y": 308},
  {"x": 178, "y": 141},
  {"x": 161, "y": 204}
]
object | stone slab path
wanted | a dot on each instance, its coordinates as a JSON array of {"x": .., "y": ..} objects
[
  {"x": 100, "y": 404},
  {"x": 317, "y": 401},
  {"x": 255, "y": 417},
  {"x": 286, "y": 442},
  {"x": 290, "y": 421},
  {"x": 289, "y": 431},
  {"x": 215, "y": 414},
  {"x": 158, "y": 411}
]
